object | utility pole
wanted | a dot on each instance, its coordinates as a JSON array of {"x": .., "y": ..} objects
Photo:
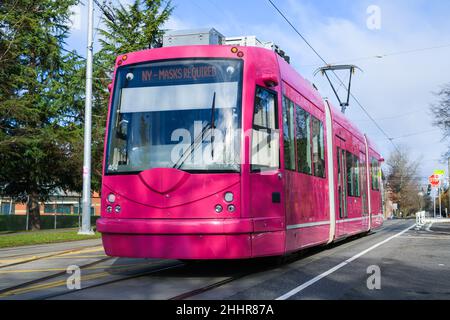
[
  {"x": 448, "y": 188},
  {"x": 440, "y": 198},
  {"x": 434, "y": 202},
  {"x": 86, "y": 202}
]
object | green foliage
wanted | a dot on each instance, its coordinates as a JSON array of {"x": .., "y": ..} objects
[
  {"x": 135, "y": 27},
  {"x": 42, "y": 92},
  {"x": 42, "y": 237},
  {"x": 38, "y": 141}
]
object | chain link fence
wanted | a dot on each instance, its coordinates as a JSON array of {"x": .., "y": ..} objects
[{"x": 58, "y": 212}]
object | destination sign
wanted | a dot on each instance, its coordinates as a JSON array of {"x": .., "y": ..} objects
[
  {"x": 179, "y": 73},
  {"x": 186, "y": 72}
]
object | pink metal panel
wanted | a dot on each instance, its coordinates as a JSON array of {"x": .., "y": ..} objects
[
  {"x": 306, "y": 237},
  {"x": 196, "y": 197},
  {"x": 306, "y": 195},
  {"x": 268, "y": 244},
  {"x": 180, "y": 204},
  {"x": 175, "y": 226},
  {"x": 178, "y": 246}
]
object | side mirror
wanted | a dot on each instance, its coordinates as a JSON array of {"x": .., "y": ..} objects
[
  {"x": 270, "y": 80},
  {"x": 110, "y": 87},
  {"x": 122, "y": 130}
]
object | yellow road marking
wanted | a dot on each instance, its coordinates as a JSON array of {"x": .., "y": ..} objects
[
  {"x": 81, "y": 257},
  {"x": 64, "y": 269},
  {"x": 8, "y": 261},
  {"x": 47, "y": 256},
  {"x": 94, "y": 249},
  {"x": 53, "y": 284},
  {"x": 58, "y": 283}
]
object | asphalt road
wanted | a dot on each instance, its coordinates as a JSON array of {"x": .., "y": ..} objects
[{"x": 396, "y": 262}]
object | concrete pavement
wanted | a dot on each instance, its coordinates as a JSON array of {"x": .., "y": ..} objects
[{"x": 412, "y": 265}]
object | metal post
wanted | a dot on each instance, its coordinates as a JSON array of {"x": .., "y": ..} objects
[
  {"x": 448, "y": 190},
  {"x": 440, "y": 198},
  {"x": 434, "y": 201},
  {"x": 86, "y": 220},
  {"x": 26, "y": 227}
]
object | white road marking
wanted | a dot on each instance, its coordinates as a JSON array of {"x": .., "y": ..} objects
[{"x": 339, "y": 266}]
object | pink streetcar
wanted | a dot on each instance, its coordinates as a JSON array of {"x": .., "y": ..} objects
[{"x": 223, "y": 151}]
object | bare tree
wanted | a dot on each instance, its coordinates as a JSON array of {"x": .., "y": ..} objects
[
  {"x": 403, "y": 182},
  {"x": 441, "y": 112}
]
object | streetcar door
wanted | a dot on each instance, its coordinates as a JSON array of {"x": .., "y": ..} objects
[
  {"x": 341, "y": 206},
  {"x": 364, "y": 191},
  {"x": 266, "y": 181}
]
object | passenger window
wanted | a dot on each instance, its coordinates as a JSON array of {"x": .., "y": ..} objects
[
  {"x": 318, "y": 153},
  {"x": 363, "y": 174},
  {"x": 265, "y": 135},
  {"x": 353, "y": 175},
  {"x": 303, "y": 139},
  {"x": 375, "y": 173},
  {"x": 288, "y": 134}
]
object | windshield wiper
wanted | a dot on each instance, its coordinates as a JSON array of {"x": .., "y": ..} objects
[
  {"x": 191, "y": 148},
  {"x": 213, "y": 124},
  {"x": 199, "y": 138}
]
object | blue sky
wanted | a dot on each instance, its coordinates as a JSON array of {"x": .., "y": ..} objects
[{"x": 397, "y": 90}]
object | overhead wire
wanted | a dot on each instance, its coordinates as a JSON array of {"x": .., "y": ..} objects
[{"x": 337, "y": 77}]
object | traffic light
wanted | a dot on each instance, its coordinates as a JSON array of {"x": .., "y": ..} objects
[{"x": 429, "y": 190}]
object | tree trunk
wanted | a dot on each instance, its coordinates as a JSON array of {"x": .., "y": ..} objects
[{"x": 33, "y": 211}]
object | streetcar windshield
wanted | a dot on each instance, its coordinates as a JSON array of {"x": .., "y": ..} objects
[{"x": 182, "y": 114}]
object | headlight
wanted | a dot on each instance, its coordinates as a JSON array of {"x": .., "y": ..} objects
[
  {"x": 108, "y": 209},
  {"x": 231, "y": 208},
  {"x": 229, "y": 197},
  {"x": 117, "y": 209},
  {"x": 219, "y": 208},
  {"x": 111, "y": 198}
]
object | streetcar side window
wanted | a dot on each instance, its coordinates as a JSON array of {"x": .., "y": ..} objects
[
  {"x": 375, "y": 169},
  {"x": 288, "y": 134},
  {"x": 265, "y": 136},
  {"x": 353, "y": 175},
  {"x": 318, "y": 153},
  {"x": 303, "y": 139}
]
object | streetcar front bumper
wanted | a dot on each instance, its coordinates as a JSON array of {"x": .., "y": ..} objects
[{"x": 197, "y": 239}]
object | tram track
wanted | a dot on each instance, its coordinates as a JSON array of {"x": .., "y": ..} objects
[
  {"x": 11, "y": 289},
  {"x": 209, "y": 287},
  {"x": 156, "y": 271},
  {"x": 182, "y": 269},
  {"x": 34, "y": 258},
  {"x": 192, "y": 293},
  {"x": 125, "y": 278}
]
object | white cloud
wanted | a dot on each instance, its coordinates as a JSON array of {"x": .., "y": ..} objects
[
  {"x": 388, "y": 88},
  {"x": 175, "y": 23},
  {"x": 75, "y": 19},
  {"x": 394, "y": 85}
]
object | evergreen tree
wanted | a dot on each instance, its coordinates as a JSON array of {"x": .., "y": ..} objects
[
  {"x": 127, "y": 29},
  {"x": 38, "y": 137},
  {"x": 42, "y": 93}
]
